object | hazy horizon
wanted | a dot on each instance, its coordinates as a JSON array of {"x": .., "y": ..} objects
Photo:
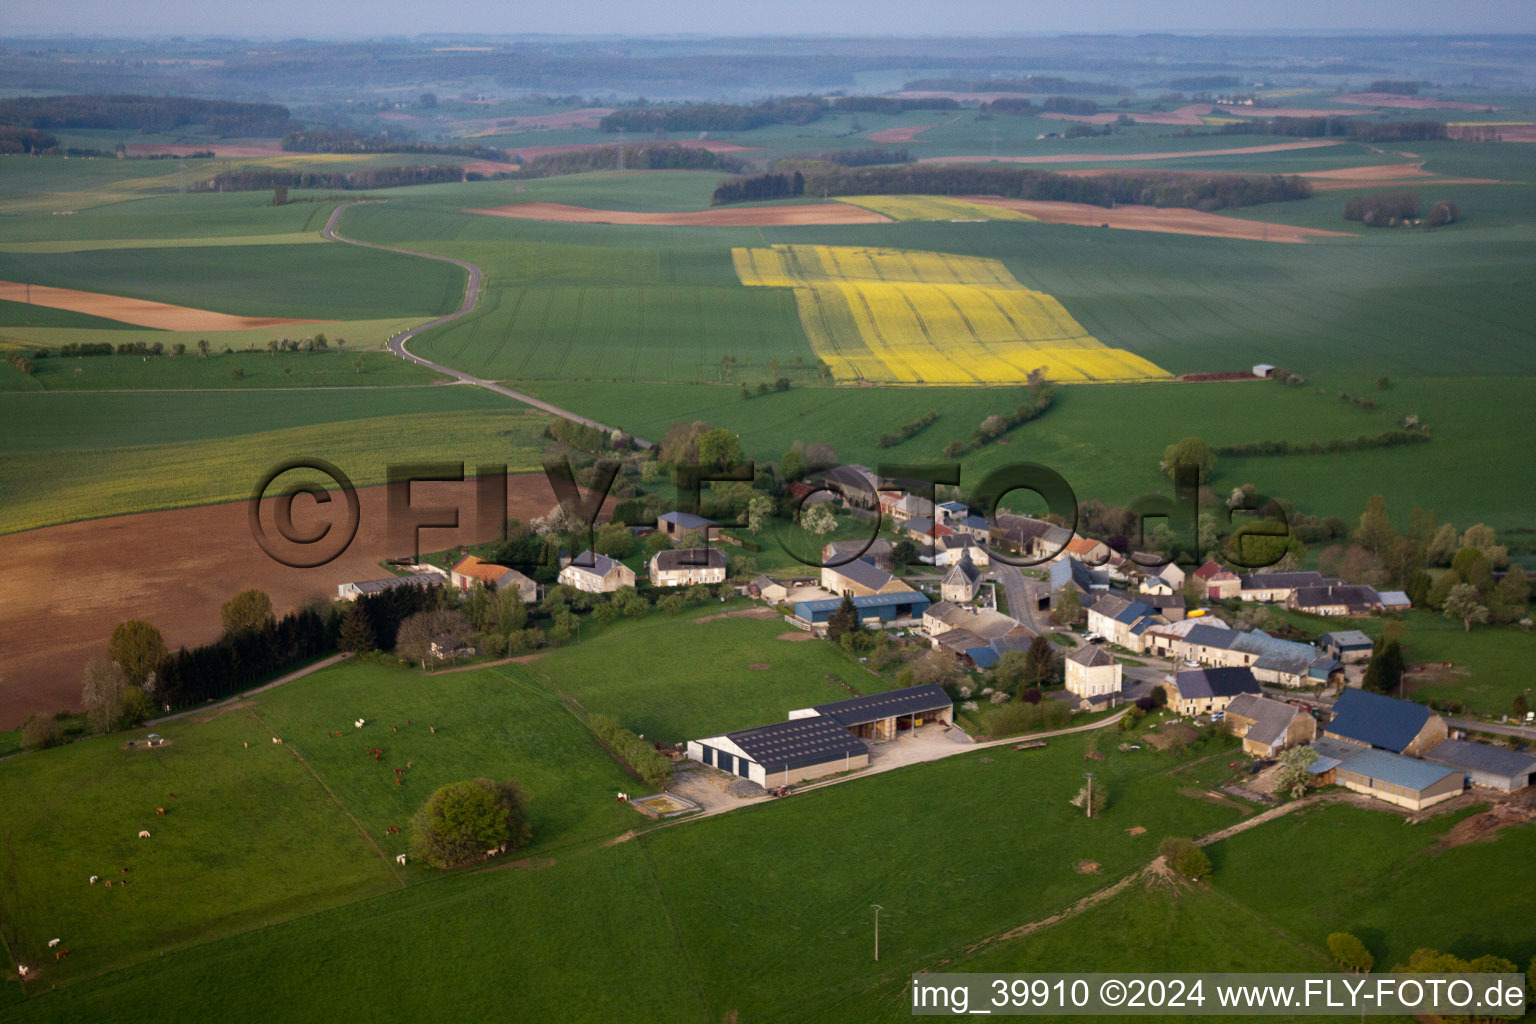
[{"x": 290, "y": 19}]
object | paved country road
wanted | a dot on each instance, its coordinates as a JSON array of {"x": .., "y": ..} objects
[
  {"x": 1022, "y": 594},
  {"x": 471, "y": 299}
]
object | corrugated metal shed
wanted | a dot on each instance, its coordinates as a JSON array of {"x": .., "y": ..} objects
[
  {"x": 913, "y": 700},
  {"x": 797, "y": 743},
  {"x": 1408, "y": 772},
  {"x": 1379, "y": 721}
]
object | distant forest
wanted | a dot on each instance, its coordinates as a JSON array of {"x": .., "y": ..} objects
[
  {"x": 1030, "y": 83},
  {"x": 225, "y": 118},
  {"x": 649, "y": 157},
  {"x": 1149, "y": 188}
]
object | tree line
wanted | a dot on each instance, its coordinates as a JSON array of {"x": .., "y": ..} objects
[
  {"x": 892, "y": 104},
  {"x": 649, "y": 157},
  {"x": 1389, "y": 439},
  {"x": 343, "y": 141},
  {"x": 145, "y": 113},
  {"x": 26, "y": 140},
  {"x": 860, "y": 157},
  {"x": 716, "y": 117},
  {"x": 1390, "y": 209},
  {"x": 1150, "y": 188},
  {"x": 259, "y": 179},
  {"x": 1346, "y": 127}
]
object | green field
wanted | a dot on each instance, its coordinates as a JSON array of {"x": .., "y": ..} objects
[
  {"x": 646, "y": 674},
  {"x": 261, "y": 369},
  {"x": 81, "y": 455}
]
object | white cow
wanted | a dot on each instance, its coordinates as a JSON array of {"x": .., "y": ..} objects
[
  {"x": 400, "y": 859},
  {"x": 276, "y": 740},
  {"x": 358, "y": 723},
  {"x": 143, "y": 833},
  {"x": 52, "y": 943},
  {"x": 93, "y": 879}
]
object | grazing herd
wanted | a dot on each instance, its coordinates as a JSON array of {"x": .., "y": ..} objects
[{"x": 376, "y": 753}]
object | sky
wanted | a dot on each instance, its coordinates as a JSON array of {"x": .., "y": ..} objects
[{"x": 360, "y": 18}]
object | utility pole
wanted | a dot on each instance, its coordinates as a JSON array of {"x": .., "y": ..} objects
[
  {"x": 1088, "y": 804},
  {"x": 877, "y": 929}
]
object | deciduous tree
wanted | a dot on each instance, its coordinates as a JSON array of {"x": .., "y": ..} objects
[
  {"x": 249, "y": 609},
  {"x": 137, "y": 647},
  {"x": 1463, "y": 603},
  {"x": 465, "y": 820},
  {"x": 1350, "y": 952}
]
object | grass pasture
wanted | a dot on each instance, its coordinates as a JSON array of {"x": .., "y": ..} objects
[{"x": 647, "y": 674}]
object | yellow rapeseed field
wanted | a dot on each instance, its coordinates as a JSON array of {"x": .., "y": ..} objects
[
  {"x": 925, "y": 317},
  {"x": 933, "y": 208}
]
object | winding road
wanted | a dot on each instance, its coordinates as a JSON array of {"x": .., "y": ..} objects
[{"x": 471, "y": 300}]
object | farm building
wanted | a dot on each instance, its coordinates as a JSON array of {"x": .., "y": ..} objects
[
  {"x": 1164, "y": 639},
  {"x": 1489, "y": 767},
  {"x": 1069, "y": 572},
  {"x": 1092, "y": 672},
  {"x": 1114, "y": 617},
  {"x": 1090, "y": 552},
  {"x": 950, "y": 549},
  {"x": 361, "y": 588},
  {"x": 1035, "y": 539},
  {"x": 1347, "y": 645},
  {"x": 783, "y": 753},
  {"x": 984, "y": 622},
  {"x": 682, "y": 567},
  {"x": 911, "y": 506},
  {"x": 675, "y": 524},
  {"x": 860, "y": 579},
  {"x": 1198, "y": 691},
  {"x": 1404, "y": 781},
  {"x": 596, "y": 574},
  {"x": 471, "y": 570},
  {"x": 1372, "y": 720},
  {"x": 879, "y": 716},
  {"x": 1347, "y": 599},
  {"x": 877, "y": 552},
  {"x": 768, "y": 588},
  {"x": 879, "y": 610},
  {"x": 959, "y": 585},
  {"x": 1266, "y": 726},
  {"x": 952, "y": 512},
  {"x": 1262, "y": 369},
  {"x": 1395, "y": 601},
  {"x": 924, "y": 531}
]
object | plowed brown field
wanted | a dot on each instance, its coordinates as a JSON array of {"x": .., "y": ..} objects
[
  {"x": 66, "y": 587},
  {"x": 1155, "y": 218},
  {"x": 143, "y": 312}
]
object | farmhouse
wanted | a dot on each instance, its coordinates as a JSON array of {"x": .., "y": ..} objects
[
  {"x": 362, "y": 588},
  {"x": 977, "y": 527},
  {"x": 1347, "y": 645},
  {"x": 1344, "y": 599},
  {"x": 1114, "y": 617},
  {"x": 783, "y": 753},
  {"x": 1086, "y": 550},
  {"x": 877, "y": 552},
  {"x": 1166, "y": 639},
  {"x": 1069, "y": 572},
  {"x": 959, "y": 585},
  {"x": 1035, "y": 539},
  {"x": 860, "y": 579},
  {"x": 596, "y": 574},
  {"x": 682, "y": 567},
  {"x": 901, "y": 607},
  {"x": 447, "y": 647},
  {"x": 675, "y": 524},
  {"x": 879, "y": 716},
  {"x": 923, "y": 530},
  {"x": 1386, "y": 723},
  {"x": 857, "y": 485},
  {"x": 1489, "y": 767},
  {"x": 1217, "y": 583},
  {"x": 1277, "y": 586},
  {"x": 911, "y": 506},
  {"x": 1198, "y": 691},
  {"x": 471, "y": 570},
  {"x": 1266, "y": 726},
  {"x": 1093, "y": 672},
  {"x": 952, "y": 548}
]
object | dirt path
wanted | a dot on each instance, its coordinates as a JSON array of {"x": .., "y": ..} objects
[{"x": 471, "y": 300}]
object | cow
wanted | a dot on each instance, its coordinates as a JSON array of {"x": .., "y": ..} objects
[
  {"x": 93, "y": 879},
  {"x": 400, "y": 859},
  {"x": 61, "y": 954},
  {"x": 143, "y": 833},
  {"x": 276, "y": 740},
  {"x": 52, "y": 943},
  {"x": 160, "y": 810}
]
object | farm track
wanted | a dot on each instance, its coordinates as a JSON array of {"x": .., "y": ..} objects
[{"x": 467, "y": 306}]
